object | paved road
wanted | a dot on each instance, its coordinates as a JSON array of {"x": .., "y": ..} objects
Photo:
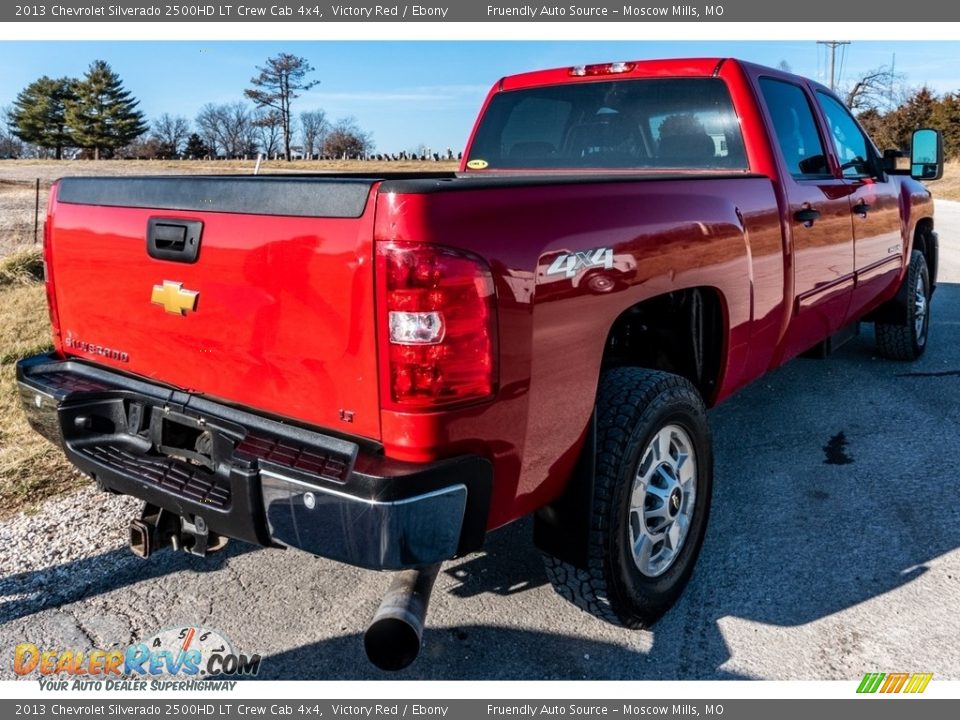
[{"x": 810, "y": 570}]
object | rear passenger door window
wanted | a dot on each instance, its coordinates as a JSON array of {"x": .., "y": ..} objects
[{"x": 795, "y": 129}]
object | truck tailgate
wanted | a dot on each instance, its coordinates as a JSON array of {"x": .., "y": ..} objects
[{"x": 275, "y": 313}]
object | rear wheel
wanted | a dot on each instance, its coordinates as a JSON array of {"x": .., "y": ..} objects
[
  {"x": 651, "y": 499},
  {"x": 908, "y": 340}
]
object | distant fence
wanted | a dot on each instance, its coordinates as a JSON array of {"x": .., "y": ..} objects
[{"x": 35, "y": 184}]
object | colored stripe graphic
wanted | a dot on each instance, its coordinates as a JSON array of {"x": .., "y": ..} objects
[
  {"x": 918, "y": 682},
  {"x": 913, "y": 683},
  {"x": 870, "y": 683},
  {"x": 894, "y": 682}
]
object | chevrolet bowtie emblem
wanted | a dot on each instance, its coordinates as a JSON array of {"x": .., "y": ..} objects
[{"x": 174, "y": 298}]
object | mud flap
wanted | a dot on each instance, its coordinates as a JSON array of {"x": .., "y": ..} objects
[{"x": 562, "y": 528}]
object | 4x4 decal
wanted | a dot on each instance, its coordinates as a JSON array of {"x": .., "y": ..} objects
[{"x": 571, "y": 263}]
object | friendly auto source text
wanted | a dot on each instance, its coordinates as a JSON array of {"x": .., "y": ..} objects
[
  {"x": 594, "y": 710},
  {"x": 588, "y": 11}
]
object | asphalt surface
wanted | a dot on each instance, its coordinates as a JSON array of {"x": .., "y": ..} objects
[{"x": 833, "y": 550}]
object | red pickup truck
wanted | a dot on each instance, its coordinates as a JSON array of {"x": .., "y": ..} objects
[{"x": 382, "y": 368}]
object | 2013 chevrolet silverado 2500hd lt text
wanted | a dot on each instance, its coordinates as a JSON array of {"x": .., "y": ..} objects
[{"x": 382, "y": 368}]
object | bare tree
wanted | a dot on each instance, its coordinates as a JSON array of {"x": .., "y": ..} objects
[
  {"x": 144, "y": 148},
  {"x": 269, "y": 131},
  {"x": 208, "y": 127},
  {"x": 277, "y": 85},
  {"x": 314, "y": 129},
  {"x": 239, "y": 134},
  {"x": 228, "y": 129},
  {"x": 347, "y": 140},
  {"x": 171, "y": 134},
  {"x": 10, "y": 145},
  {"x": 876, "y": 89}
]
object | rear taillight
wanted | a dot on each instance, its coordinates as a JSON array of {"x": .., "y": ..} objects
[
  {"x": 48, "y": 272},
  {"x": 437, "y": 325}
]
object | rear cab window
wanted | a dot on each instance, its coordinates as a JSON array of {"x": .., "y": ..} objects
[{"x": 659, "y": 124}]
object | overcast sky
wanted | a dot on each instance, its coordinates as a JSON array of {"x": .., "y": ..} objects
[{"x": 412, "y": 93}]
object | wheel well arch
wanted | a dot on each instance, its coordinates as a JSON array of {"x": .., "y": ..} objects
[
  {"x": 683, "y": 332},
  {"x": 925, "y": 241}
]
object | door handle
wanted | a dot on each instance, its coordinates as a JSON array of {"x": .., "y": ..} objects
[
  {"x": 861, "y": 208},
  {"x": 806, "y": 216},
  {"x": 174, "y": 239}
]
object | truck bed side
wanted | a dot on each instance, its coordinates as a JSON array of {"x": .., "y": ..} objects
[{"x": 717, "y": 232}]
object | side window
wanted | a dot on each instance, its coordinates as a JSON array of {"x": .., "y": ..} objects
[
  {"x": 853, "y": 148},
  {"x": 795, "y": 129}
]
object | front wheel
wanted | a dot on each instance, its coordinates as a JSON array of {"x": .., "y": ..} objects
[
  {"x": 907, "y": 340},
  {"x": 651, "y": 499}
]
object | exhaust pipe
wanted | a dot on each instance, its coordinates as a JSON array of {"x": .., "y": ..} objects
[{"x": 394, "y": 637}]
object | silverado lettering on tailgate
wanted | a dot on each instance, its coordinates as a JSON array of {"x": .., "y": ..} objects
[{"x": 83, "y": 346}]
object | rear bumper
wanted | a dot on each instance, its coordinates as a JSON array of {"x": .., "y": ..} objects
[{"x": 254, "y": 478}]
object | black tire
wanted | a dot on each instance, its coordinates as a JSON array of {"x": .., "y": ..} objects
[
  {"x": 633, "y": 406},
  {"x": 908, "y": 340}
]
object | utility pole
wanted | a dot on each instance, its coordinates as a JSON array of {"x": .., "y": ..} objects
[
  {"x": 893, "y": 74},
  {"x": 833, "y": 45}
]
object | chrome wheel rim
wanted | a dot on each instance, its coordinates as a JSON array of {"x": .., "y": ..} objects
[
  {"x": 920, "y": 310},
  {"x": 662, "y": 500}
]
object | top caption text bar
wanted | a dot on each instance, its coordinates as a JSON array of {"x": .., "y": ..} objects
[{"x": 477, "y": 11}]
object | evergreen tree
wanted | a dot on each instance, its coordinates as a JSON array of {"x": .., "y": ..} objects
[
  {"x": 946, "y": 118},
  {"x": 39, "y": 114},
  {"x": 915, "y": 112},
  {"x": 196, "y": 148},
  {"x": 103, "y": 116}
]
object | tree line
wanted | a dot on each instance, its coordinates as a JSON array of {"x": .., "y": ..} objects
[
  {"x": 921, "y": 108},
  {"x": 96, "y": 117}
]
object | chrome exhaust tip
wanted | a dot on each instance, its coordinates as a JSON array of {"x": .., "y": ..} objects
[{"x": 395, "y": 635}]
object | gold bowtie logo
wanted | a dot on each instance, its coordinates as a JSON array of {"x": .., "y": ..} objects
[{"x": 174, "y": 298}]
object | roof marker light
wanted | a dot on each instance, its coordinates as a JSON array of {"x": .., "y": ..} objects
[{"x": 614, "y": 68}]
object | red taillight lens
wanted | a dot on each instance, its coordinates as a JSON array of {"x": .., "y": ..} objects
[{"x": 438, "y": 325}]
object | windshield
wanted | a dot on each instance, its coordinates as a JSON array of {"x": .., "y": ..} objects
[{"x": 678, "y": 123}]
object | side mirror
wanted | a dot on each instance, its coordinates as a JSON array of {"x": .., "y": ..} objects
[{"x": 926, "y": 155}]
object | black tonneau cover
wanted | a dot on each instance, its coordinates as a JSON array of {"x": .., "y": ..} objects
[{"x": 332, "y": 196}]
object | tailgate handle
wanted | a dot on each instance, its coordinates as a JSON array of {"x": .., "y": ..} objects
[{"x": 174, "y": 239}]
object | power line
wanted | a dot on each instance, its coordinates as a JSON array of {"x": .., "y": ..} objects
[{"x": 832, "y": 46}]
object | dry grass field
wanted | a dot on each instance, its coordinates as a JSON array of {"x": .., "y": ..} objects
[
  {"x": 949, "y": 187},
  {"x": 31, "y": 469}
]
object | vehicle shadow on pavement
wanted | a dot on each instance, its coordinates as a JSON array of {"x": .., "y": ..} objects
[
  {"x": 81, "y": 579},
  {"x": 508, "y": 566},
  {"x": 478, "y": 652},
  {"x": 501, "y": 569}
]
